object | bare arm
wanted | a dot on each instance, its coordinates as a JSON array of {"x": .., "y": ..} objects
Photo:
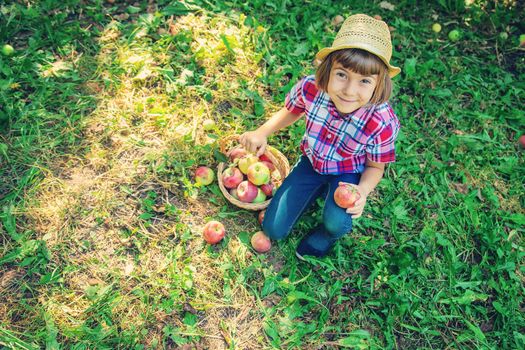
[
  {"x": 371, "y": 176},
  {"x": 255, "y": 141},
  {"x": 369, "y": 179}
]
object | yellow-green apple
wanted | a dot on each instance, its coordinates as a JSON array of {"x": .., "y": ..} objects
[
  {"x": 258, "y": 174},
  {"x": 260, "y": 242},
  {"x": 260, "y": 217},
  {"x": 7, "y": 50},
  {"x": 346, "y": 195},
  {"x": 232, "y": 177},
  {"x": 246, "y": 161},
  {"x": 237, "y": 152},
  {"x": 213, "y": 232},
  {"x": 208, "y": 124},
  {"x": 267, "y": 189},
  {"x": 204, "y": 176},
  {"x": 261, "y": 197},
  {"x": 246, "y": 191}
]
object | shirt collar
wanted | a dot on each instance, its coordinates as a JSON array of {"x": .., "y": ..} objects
[{"x": 357, "y": 114}]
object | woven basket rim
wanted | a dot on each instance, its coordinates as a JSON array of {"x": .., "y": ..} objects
[{"x": 279, "y": 161}]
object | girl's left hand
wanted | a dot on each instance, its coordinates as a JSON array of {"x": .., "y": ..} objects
[{"x": 357, "y": 209}]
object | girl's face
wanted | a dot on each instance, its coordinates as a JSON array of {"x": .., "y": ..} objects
[{"x": 348, "y": 90}]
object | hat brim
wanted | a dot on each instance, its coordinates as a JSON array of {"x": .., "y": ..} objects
[{"x": 392, "y": 70}]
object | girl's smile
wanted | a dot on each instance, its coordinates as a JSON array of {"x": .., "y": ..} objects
[{"x": 349, "y": 90}]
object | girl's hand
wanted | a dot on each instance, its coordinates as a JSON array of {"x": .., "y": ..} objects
[
  {"x": 357, "y": 209},
  {"x": 254, "y": 142}
]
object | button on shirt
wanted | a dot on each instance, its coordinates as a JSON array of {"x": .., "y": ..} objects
[{"x": 336, "y": 143}]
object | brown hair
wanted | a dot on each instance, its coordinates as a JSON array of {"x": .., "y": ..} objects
[{"x": 361, "y": 62}]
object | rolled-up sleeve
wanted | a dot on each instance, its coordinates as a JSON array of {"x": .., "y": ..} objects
[
  {"x": 381, "y": 149},
  {"x": 301, "y": 94}
]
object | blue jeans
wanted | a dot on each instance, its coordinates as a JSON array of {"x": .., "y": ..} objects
[{"x": 300, "y": 189}]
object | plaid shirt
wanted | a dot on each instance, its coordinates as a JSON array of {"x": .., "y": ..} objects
[{"x": 338, "y": 144}]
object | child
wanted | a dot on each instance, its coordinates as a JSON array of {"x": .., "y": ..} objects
[{"x": 350, "y": 133}]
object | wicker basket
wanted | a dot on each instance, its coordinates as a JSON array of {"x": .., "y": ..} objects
[{"x": 278, "y": 159}]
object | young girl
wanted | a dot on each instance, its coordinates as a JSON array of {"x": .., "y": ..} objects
[{"x": 350, "y": 133}]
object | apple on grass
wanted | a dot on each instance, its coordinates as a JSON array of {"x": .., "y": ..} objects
[
  {"x": 247, "y": 192},
  {"x": 258, "y": 174},
  {"x": 237, "y": 152},
  {"x": 246, "y": 161},
  {"x": 232, "y": 177},
  {"x": 260, "y": 242},
  {"x": 7, "y": 50},
  {"x": 213, "y": 232},
  {"x": 346, "y": 195},
  {"x": 522, "y": 141},
  {"x": 204, "y": 176}
]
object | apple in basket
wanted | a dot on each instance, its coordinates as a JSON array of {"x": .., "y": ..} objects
[
  {"x": 269, "y": 165},
  {"x": 261, "y": 197},
  {"x": 233, "y": 193},
  {"x": 267, "y": 189},
  {"x": 232, "y": 177},
  {"x": 260, "y": 242},
  {"x": 246, "y": 161},
  {"x": 246, "y": 191},
  {"x": 264, "y": 158},
  {"x": 346, "y": 195},
  {"x": 237, "y": 152},
  {"x": 258, "y": 174},
  {"x": 213, "y": 232},
  {"x": 204, "y": 176}
]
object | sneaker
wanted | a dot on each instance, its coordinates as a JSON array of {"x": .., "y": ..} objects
[
  {"x": 316, "y": 244},
  {"x": 299, "y": 256}
]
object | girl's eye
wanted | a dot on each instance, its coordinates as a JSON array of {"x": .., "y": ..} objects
[
  {"x": 366, "y": 81},
  {"x": 341, "y": 74}
]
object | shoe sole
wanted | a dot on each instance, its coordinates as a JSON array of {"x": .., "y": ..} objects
[{"x": 299, "y": 256}]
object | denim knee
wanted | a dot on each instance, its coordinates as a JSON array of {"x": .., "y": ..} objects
[
  {"x": 338, "y": 226},
  {"x": 273, "y": 230}
]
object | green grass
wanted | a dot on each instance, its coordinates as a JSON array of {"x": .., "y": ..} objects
[{"x": 101, "y": 108}]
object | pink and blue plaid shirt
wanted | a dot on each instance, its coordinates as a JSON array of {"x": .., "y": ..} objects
[{"x": 338, "y": 144}]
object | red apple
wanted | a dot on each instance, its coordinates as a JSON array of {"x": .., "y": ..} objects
[
  {"x": 260, "y": 242},
  {"x": 260, "y": 217},
  {"x": 246, "y": 191},
  {"x": 267, "y": 189},
  {"x": 213, "y": 232},
  {"x": 261, "y": 197},
  {"x": 522, "y": 141},
  {"x": 264, "y": 158},
  {"x": 246, "y": 161},
  {"x": 232, "y": 177},
  {"x": 269, "y": 165},
  {"x": 237, "y": 152},
  {"x": 346, "y": 195},
  {"x": 204, "y": 176},
  {"x": 258, "y": 174}
]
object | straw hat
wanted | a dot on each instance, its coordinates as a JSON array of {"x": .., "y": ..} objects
[{"x": 366, "y": 33}]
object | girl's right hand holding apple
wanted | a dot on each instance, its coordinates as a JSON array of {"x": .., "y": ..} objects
[{"x": 254, "y": 142}]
